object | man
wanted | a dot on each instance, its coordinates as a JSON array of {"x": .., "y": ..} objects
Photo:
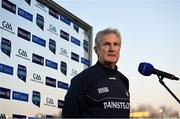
[{"x": 101, "y": 90}]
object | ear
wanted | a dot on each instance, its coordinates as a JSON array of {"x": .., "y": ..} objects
[{"x": 96, "y": 49}]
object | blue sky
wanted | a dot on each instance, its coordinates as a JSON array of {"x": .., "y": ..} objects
[{"x": 150, "y": 33}]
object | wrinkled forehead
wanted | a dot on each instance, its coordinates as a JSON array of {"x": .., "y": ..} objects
[{"x": 110, "y": 38}]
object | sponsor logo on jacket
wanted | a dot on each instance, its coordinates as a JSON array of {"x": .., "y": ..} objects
[{"x": 116, "y": 105}]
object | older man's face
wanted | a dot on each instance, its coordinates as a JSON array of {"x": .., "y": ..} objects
[{"x": 108, "y": 50}]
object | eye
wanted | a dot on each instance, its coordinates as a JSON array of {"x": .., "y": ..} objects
[
  {"x": 106, "y": 44},
  {"x": 116, "y": 44}
]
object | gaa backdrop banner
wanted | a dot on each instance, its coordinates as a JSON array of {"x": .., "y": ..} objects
[{"x": 42, "y": 47}]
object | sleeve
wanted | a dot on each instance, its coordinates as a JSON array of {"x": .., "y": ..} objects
[{"x": 74, "y": 99}]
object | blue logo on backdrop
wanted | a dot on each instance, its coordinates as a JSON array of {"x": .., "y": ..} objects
[
  {"x": 85, "y": 45},
  {"x": 63, "y": 67},
  {"x": 33, "y": 117},
  {"x": 22, "y": 72},
  {"x": 75, "y": 57},
  {"x": 38, "y": 59},
  {"x": 6, "y": 46},
  {"x": 38, "y": 41},
  {"x": 6, "y": 69},
  {"x": 40, "y": 21},
  {"x": 25, "y": 14},
  {"x": 51, "y": 64},
  {"x": 60, "y": 103},
  {"x": 63, "y": 85},
  {"x": 64, "y": 35},
  {"x": 20, "y": 96},
  {"x": 65, "y": 19},
  {"x": 52, "y": 46},
  {"x": 24, "y": 34},
  {"x": 85, "y": 61},
  {"x": 75, "y": 41},
  {"x": 36, "y": 98},
  {"x": 50, "y": 82},
  {"x": 53, "y": 13},
  {"x": 17, "y": 116},
  {"x": 28, "y": 1},
  {"x": 5, "y": 93},
  {"x": 9, "y": 6}
]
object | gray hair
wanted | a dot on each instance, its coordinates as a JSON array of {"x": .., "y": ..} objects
[{"x": 105, "y": 32}]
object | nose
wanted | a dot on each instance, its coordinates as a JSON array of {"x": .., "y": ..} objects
[{"x": 112, "y": 46}]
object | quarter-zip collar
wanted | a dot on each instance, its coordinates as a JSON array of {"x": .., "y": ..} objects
[{"x": 109, "y": 71}]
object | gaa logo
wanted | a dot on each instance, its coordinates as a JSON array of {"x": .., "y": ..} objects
[
  {"x": 64, "y": 52},
  {"x": 74, "y": 72},
  {"x": 50, "y": 101},
  {"x": 36, "y": 76},
  {"x": 6, "y": 25},
  {"x": 52, "y": 28},
  {"x": 22, "y": 52}
]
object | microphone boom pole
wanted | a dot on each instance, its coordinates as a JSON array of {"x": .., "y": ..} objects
[{"x": 162, "y": 82}]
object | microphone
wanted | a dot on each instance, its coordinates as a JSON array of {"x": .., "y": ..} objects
[{"x": 147, "y": 69}]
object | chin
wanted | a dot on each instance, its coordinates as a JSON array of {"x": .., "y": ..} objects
[{"x": 111, "y": 62}]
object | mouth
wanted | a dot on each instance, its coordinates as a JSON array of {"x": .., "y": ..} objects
[{"x": 112, "y": 55}]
